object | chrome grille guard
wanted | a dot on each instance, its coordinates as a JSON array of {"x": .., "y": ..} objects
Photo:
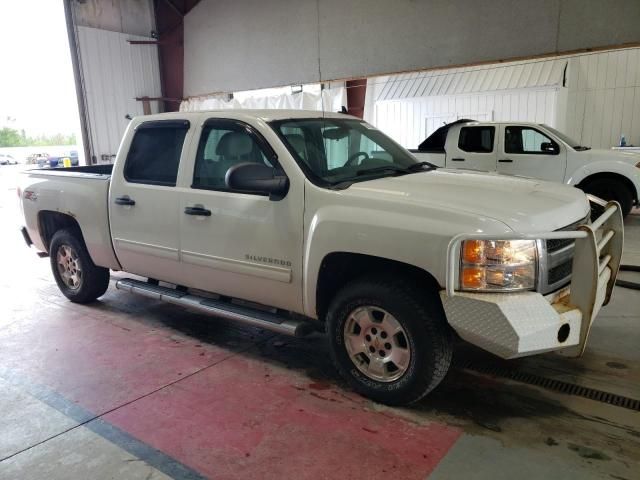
[{"x": 596, "y": 261}]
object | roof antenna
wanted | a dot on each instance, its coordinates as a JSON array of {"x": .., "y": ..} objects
[{"x": 344, "y": 110}]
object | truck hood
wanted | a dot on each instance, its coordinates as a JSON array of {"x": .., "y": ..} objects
[
  {"x": 595, "y": 154},
  {"x": 524, "y": 205}
]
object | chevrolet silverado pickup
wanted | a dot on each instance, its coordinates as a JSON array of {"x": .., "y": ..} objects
[
  {"x": 537, "y": 151},
  {"x": 290, "y": 220}
]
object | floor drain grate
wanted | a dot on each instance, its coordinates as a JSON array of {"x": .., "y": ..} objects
[{"x": 555, "y": 385}]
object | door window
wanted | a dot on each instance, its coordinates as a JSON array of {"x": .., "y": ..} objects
[
  {"x": 476, "y": 139},
  {"x": 224, "y": 144},
  {"x": 154, "y": 154},
  {"x": 528, "y": 140}
]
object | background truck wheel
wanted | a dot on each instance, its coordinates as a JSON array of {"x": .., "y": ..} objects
[
  {"x": 609, "y": 189},
  {"x": 78, "y": 278},
  {"x": 389, "y": 340}
]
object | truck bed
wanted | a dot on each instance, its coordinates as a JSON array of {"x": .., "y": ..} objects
[
  {"x": 89, "y": 169},
  {"x": 438, "y": 158},
  {"x": 79, "y": 193}
]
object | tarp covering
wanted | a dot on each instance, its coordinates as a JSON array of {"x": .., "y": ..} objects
[{"x": 311, "y": 98}]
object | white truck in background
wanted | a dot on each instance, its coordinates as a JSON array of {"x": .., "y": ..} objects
[
  {"x": 536, "y": 151},
  {"x": 288, "y": 220}
]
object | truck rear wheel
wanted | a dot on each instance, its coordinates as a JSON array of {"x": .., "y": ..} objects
[
  {"x": 78, "y": 278},
  {"x": 389, "y": 340},
  {"x": 609, "y": 189}
]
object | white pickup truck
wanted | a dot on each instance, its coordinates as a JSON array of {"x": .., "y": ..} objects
[
  {"x": 288, "y": 220},
  {"x": 536, "y": 151}
]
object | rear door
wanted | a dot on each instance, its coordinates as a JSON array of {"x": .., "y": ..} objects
[
  {"x": 144, "y": 201},
  {"x": 528, "y": 151},
  {"x": 472, "y": 147},
  {"x": 240, "y": 244}
]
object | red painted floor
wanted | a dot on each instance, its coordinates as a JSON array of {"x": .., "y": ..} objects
[
  {"x": 210, "y": 397},
  {"x": 242, "y": 419}
]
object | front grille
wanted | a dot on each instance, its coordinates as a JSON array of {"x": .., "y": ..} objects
[
  {"x": 558, "y": 244},
  {"x": 560, "y": 272},
  {"x": 558, "y": 260}
]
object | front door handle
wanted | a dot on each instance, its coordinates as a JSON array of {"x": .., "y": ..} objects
[
  {"x": 457, "y": 159},
  {"x": 125, "y": 201},
  {"x": 505, "y": 160},
  {"x": 199, "y": 211}
]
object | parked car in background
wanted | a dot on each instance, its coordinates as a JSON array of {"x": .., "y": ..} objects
[
  {"x": 37, "y": 159},
  {"x": 7, "y": 160},
  {"x": 536, "y": 151},
  {"x": 59, "y": 161}
]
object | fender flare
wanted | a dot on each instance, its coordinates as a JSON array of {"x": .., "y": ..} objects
[{"x": 627, "y": 173}]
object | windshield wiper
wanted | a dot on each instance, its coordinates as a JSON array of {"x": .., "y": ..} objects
[
  {"x": 416, "y": 167},
  {"x": 383, "y": 169},
  {"x": 420, "y": 166}
]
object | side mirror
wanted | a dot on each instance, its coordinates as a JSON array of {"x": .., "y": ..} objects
[
  {"x": 549, "y": 147},
  {"x": 258, "y": 178}
]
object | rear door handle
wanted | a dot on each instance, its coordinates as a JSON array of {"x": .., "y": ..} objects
[
  {"x": 505, "y": 160},
  {"x": 199, "y": 211},
  {"x": 457, "y": 159},
  {"x": 125, "y": 201}
]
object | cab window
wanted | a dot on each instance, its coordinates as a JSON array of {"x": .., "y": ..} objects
[
  {"x": 476, "y": 139},
  {"x": 222, "y": 145},
  {"x": 527, "y": 140},
  {"x": 154, "y": 154}
]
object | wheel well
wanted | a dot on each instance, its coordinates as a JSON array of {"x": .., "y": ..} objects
[
  {"x": 50, "y": 222},
  {"x": 339, "y": 268},
  {"x": 610, "y": 176}
]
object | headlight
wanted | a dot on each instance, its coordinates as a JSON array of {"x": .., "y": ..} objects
[{"x": 498, "y": 265}]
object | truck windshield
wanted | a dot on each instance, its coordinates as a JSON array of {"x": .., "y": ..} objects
[
  {"x": 567, "y": 139},
  {"x": 334, "y": 151}
]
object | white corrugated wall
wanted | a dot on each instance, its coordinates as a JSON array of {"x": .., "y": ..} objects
[
  {"x": 114, "y": 73},
  {"x": 410, "y": 121},
  {"x": 603, "y": 100}
]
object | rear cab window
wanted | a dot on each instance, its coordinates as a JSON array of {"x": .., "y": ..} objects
[
  {"x": 477, "y": 139},
  {"x": 155, "y": 151}
]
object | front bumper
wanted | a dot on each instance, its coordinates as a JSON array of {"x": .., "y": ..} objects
[{"x": 513, "y": 325}]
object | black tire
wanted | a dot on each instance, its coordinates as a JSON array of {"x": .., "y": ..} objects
[
  {"x": 92, "y": 282},
  {"x": 610, "y": 189},
  {"x": 428, "y": 335}
]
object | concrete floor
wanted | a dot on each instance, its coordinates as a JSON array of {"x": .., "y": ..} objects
[{"x": 130, "y": 388}]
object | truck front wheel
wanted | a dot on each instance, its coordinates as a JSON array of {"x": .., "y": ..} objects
[
  {"x": 389, "y": 339},
  {"x": 609, "y": 189},
  {"x": 78, "y": 278}
]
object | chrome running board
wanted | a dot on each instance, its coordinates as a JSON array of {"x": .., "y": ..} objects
[{"x": 218, "y": 308}]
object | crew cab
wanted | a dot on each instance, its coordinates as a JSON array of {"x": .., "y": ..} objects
[
  {"x": 292, "y": 221},
  {"x": 537, "y": 151}
]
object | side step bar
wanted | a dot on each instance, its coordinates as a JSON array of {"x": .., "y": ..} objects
[{"x": 218, "y": 308}]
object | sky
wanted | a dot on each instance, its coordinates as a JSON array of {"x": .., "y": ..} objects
[{"x": 37, "y": 89}]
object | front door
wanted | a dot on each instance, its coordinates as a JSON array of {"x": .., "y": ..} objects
[
  {"x": 144, "y": 203},
  {"x": 472, "y": 147},
  {"x": 527, "y": 151},
  {"x": 240, "y": 244}
]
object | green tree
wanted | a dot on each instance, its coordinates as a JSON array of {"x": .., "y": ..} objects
[{"x": 10, "y": 137}]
